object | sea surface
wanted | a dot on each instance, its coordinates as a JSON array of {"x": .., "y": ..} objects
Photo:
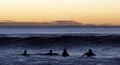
[
  {"x": 55, "y": 30},
  {"x": 104, "y": 41}
]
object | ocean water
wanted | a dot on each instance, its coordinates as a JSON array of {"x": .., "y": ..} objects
[
  {"x": 106, "y": 54},
  {"x": 54, "y": 30}
]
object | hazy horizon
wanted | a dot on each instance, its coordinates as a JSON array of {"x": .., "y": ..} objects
[
  {"x": 53, "y": 23},
  {"x": 87, "y": 12}
]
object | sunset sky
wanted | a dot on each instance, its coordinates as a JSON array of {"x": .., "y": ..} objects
[{"x": 84, "y": 11}]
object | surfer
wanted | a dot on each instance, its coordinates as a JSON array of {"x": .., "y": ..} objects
[
  {"x": 89, "y": 53},
  {"x": 65, "y": 53},
  {"x": 50, "y": 53},
  {"x": 25, "y": 53}
]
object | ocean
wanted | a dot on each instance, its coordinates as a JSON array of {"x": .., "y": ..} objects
[
  {"x": 103, "y": 40},
  {"x": 58, "y": 30}
]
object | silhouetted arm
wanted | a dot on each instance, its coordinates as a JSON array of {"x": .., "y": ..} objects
[{"x": 84, "y": 54}]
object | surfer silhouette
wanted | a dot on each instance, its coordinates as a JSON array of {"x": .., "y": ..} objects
[
  {"x": 65, "y": 53},
  {"x": 50, "y": 52},
  {"x": 89, "y": 53},
  {"x": 25, "y": 53}
]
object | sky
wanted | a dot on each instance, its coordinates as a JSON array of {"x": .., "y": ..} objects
[{"x": 98, "y": 12}]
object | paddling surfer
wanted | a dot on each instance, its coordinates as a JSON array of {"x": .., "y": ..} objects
[{"x": 89, "y": 53}]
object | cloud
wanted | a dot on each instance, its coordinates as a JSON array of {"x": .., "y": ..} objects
[{"x": 7, "y": 21}]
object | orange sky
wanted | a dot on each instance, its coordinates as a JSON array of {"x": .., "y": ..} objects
[{"x": 84, "y": 11}]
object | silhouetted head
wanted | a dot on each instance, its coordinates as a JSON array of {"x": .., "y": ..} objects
[
  {"x": 25, "y": 51},
  {"x": 90, "y": 50},
  {"x": 65, "y": 50},
  {"x": 50, "y": 51}
]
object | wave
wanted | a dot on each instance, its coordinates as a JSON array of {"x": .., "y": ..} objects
[
  {"x": 53, "y": 35},
  {"x": 35, "y": 40}
]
